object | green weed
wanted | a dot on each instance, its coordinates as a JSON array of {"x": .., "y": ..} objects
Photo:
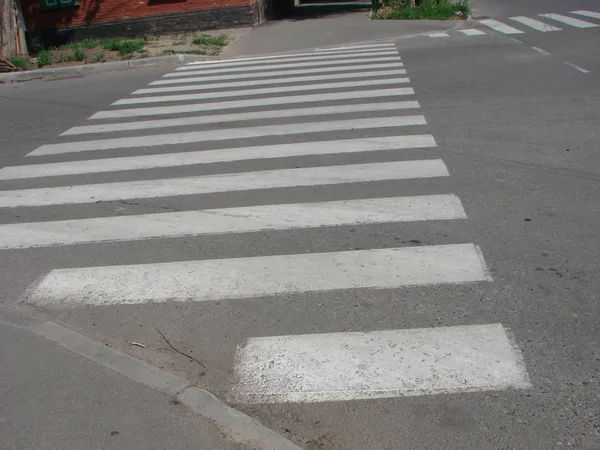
[
  {"x": 425, "y": 9},
  {"x": 20, "y": 62},
  {"x": 207, "y": 39},
  {"x": 45, "y": 58}
]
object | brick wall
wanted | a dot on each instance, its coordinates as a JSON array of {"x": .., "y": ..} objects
[{"x": 136, "y": 17}]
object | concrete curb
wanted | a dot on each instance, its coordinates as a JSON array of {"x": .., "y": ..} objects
[
  {"x": 235, "y": 425},
  {"x": 100, "y": 67}
]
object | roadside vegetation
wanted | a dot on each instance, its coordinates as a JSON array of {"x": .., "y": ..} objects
[
  {"x": 96, "y": 50},
  {"x": 420, "y": 9}
]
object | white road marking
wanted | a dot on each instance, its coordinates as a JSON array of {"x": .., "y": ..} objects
[
  {"x": 216, "y": 156},
  {"x": 472, "y": 32},
  {"x": 578, "y": 23},
  {"x": 341, "y": 63},
  {"x": 267, "y": 179},
  {"x": 277, "y": 74},
  {"x": 232, "y": 220},
  {"x": 290, "y": 58},
  {"x": 539, "y": 50},
  {"x": 238, "y": 278},
  {"x": 235, "y": 104},
  {"x": 535, "y": 24},
  {"x": 261, "y": 91},
  {"x": 226, "y": 134},
  {"x": 576, "y": 67},
  {"x": 266, "y": 114},
  {"x": 438, "y": 35},
  {"x": 501, "y": 27},
  {"x": 357, "y": 47},
  {"x": 378, "y": 364},
  {"x": 592, "y": 14},
  {"x": 271, "y": 82}
]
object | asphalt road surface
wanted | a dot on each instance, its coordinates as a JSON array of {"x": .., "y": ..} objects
[{"x": 373, "y": 246}]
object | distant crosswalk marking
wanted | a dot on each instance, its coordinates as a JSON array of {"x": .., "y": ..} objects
[
  {"x": 239, "y": 278},
  {"x": 268, "y": 114},
  {"x": 535, "y": 24},
  {"x": 471, "y": 32},
  {"x": 578, "y": 23},
  {"x": 438, "y": 35},
  {"x": 378, "y": 364},
  {"x": 232, "y": 220},
  {"x": 271, "y": 82},
  {"x": 592, "y": 14},
  {"x": 269, "y": 101},
  {"x": 501, "y": 27},
  {"x": 225, "y": 134},
  {"x": 357, "y": 145},
  {"x": 340, "y": 63},
  {"x": 356, "y": 47},
  {"x": 268, "y": 179},
  {"x": 278, "y": 75},
  {"x": 255, "y": 91},
  {"x": 312, "y": 57}
]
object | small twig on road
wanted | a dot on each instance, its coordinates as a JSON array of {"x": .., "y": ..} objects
[{"x": 181, "y": 353}]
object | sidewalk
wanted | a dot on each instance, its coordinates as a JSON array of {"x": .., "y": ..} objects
[
  {"x": 311, "y": 26},
  {"x": 52, "y": 398}
]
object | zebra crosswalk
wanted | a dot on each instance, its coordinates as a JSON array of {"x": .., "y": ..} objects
[
  {"x": 328, "y": 103},
  {"x": 547, "y": 22}
]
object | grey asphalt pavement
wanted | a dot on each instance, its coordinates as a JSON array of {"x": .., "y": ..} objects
[{"x": 516, "y": 129}]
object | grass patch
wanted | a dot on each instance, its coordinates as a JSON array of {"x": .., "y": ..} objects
[
  {"x": 425, "y": 9},
  {"x": 20, "y": 62},
  {"x": 78, "y": 54},
  {"x": 207, "y": 39},
  {"x": 45, "y": 58},
  {"x": 98, "y": 58},
  {"x": 124, "y": 46}
]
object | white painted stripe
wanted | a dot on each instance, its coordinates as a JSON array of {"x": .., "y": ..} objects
[
  {"x": 238, "y": 278},
  {"x": 356, "y": 47},
  {"x": 225, "y": 134},
  {"x": 535, "y": 24},
  {"x": 576, "y": 67},
  {"x": 256, "y": 91},
  {"x": 345, "y": 62},
  {"x": 265, "y": 63},
  {"x": 216, "y": 156},
  {"x": 592, "y": 14},
  {"x": 267, "y": 114},
  {"x": 438, "y": 35},
  {"x": 268, "y": 179},
  {"x": 235, "y": 104},
  {"x": 471, "y": 32},
  {"x": 270, "y": 82},
  {"x": 277, "y": 74},
  {"x": 542, "y": 51},
  {"x": 578, "y": 23},
  {"x": 231, "y": 220},
  {"x": 501, "y": 27},
  {"x": 378, "y": 364}
]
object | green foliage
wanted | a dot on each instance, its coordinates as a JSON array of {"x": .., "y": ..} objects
[
  {"x": 45, "y": 58},
  {"x": 78, "y": 54},
  {"x": 425, "y": 9},
  {"x": 98, "y": 58},
  {"x": 207, "y": 39},
  {"x": 124, "y": 46},
  {"x": 20, "y": 62}
]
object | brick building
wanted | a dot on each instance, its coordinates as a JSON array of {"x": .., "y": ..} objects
[{"x": 53, "y": 22}]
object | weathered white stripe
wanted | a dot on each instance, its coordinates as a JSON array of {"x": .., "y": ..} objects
[
  {"x": 278, "y": 75},
  {"x": 356, "y": 47},
  {"x": 261, "y": 276},
  {"x": 438, "y": 35},
  {"x": 501, "y": 27},
  {"x": 378, "y": 364},
  {"x": 288, "y": 80},
  {"x": 592, "y": 14},
  {"x": 216, "y": 156},
  {"x": 292, "y": 59},
  {"x": 344, "y": 62},
  {"x": 235, "y": 104},
  {"x": 231, "y": 220},
  {"x": 261, "y": 91},
  {"x": 268, "y": 179},
  {"x": 267, "y": 114},
  {"x": 472, "y": 32},
  {"x": 535, "y": 24},
  {"x": 578, "y": 23},
  {"x": 225, "y": 134}
]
